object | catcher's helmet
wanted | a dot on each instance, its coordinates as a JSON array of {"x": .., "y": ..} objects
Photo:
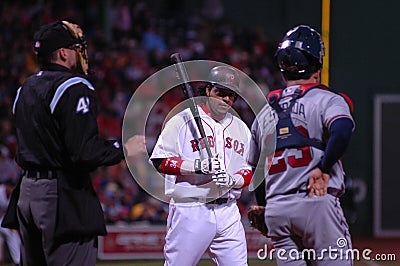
[
  {"x": 224, "y": 77},
  {"x": 300, "y": 53}
]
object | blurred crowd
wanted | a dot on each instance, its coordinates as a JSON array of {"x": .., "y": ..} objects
[{"x": 128, "y": 40}]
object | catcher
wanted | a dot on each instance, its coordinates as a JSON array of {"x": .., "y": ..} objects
[{"x": 305, "y": 177}]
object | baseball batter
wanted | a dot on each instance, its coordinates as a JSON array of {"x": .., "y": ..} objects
[
  {"x": 305, "y": 179},
  {"x": 203, "y": 215}
]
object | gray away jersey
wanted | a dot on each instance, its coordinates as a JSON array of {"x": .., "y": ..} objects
[{"x": 313, "y": 114}]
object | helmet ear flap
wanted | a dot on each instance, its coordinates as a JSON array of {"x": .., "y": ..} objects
[{"x": 77, "y": 32}]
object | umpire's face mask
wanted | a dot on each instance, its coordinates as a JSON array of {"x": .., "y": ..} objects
[{"x": 81, "y": 47}]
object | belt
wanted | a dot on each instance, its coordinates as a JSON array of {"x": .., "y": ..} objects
[
  {"x": 335, "y": 192},
  {"x": 332, "y": 191},
  {"x": 218, "y": 201},
  {"x": 41, "y": 174}
]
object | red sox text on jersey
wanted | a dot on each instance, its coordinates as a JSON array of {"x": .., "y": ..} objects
[{"x": 230, "y": 143}]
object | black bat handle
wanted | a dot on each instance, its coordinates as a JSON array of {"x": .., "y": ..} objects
[{"x": 182, "y": 74}]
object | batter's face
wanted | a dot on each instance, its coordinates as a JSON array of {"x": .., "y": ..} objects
[{"x": 220, "y": 100}]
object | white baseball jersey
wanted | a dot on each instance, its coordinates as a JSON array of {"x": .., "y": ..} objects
[
  {"x": 312, "y": 114},
  {"x": 228, "y": 138},
  {"x": 195, "y": 228}
]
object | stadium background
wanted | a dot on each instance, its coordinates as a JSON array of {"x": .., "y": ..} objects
[{"x": 130, "y": 40}]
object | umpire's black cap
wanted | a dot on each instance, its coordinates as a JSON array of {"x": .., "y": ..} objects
[{"x": 51, "y": 37}]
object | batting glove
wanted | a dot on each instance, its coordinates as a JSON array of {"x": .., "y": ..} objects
[
  {"x": 207, "y": 166},
  {"x": 222, "y": 178}
]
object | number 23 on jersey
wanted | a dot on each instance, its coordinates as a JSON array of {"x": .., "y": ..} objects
[{"x": 299, "y": 157}]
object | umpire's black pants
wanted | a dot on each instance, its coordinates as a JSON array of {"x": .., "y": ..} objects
[{"x": 37, "y": 212}]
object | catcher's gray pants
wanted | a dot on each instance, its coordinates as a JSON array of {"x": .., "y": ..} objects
[
  {"x": 308, "y": 231},
  {"x": 37, "y": 212}
]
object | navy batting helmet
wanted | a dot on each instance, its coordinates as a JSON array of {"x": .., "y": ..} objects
[{"x": 300, "y": 53}]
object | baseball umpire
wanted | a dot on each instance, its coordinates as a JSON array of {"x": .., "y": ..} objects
[
  {"x": 306, "y": 178},
  {"x": 55, "y": 111},
  {"x": 200, "y": 220}
]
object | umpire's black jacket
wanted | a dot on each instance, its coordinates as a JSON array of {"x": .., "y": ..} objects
[{"x": 55, "y": 113}]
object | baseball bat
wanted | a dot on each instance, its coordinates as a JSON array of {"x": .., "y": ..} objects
[{"x": 188, "y": 92}]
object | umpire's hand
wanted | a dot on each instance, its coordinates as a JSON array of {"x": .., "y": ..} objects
[{"x": 135, "y": 146}]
